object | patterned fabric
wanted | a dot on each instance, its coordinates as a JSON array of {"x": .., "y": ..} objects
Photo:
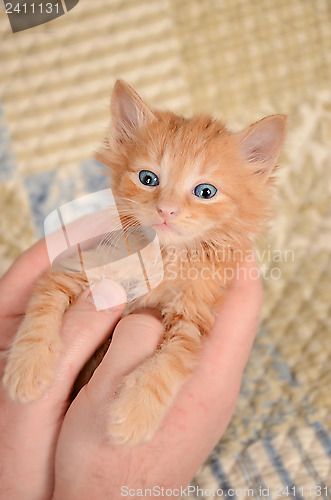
[{"x": 240, "y": 60}]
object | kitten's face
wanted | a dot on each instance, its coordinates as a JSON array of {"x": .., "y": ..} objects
[
  {"x": 176, "y": 182},
  {"x": 190, "y": 180}
]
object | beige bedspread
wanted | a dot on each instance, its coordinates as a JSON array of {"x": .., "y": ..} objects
[{"x": 240, "y": 60}]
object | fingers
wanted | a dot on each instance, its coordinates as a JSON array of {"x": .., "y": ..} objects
[
  {"x": 136, "y": 337},
  {"x": 210, "y": 395},
  {"x": 200, "y": 412},
  {"x": 82, "y": 447},
  {"x": 238, "y": 316},
  {"x": 227, "y": 348},
  {"x": 214, "y": 387},
  {"x": 18, "y": 281},
  {"x": 15, "y": 291},
  {"x": 84, "y": 330}
]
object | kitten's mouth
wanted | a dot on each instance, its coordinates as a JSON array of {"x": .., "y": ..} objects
[{"x": 165, "y": 227}]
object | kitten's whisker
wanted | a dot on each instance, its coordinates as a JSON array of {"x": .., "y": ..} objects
[
  {"x": 129, "y": 199},
  {"x": 107, "y": 237},
  {"x": 113, "y": 239}
]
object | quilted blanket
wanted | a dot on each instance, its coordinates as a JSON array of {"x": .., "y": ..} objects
[{"x": 240, "y": 60}]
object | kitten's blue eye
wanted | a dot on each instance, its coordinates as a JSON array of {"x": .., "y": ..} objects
[
  {"x": 148, "y": 178},
  {"x": 205, "y": 191}
]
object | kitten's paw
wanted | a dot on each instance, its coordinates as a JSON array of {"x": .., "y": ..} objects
[
  {"x": 135, "y": 415},
  {"x": 30, "y": 370},
  {"x": 130, "y": 422}
]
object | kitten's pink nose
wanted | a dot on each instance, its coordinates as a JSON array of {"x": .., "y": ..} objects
[{"x": 167, "y": 210}]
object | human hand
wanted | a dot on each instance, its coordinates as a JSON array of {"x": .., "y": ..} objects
[
  {"x": 88, "y": 465},
  {"x": 29, "y": 432}
]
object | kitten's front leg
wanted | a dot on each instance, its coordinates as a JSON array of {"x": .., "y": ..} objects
[
  {"x": 147, "y": 393},
  {"x": 37, "y": 344},
  {"x": 30, "y": 366}
]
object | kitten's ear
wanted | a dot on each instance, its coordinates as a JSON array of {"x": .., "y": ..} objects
[
  {"x": 128, "y": 110},
  {"x": 261, "y": 143}
]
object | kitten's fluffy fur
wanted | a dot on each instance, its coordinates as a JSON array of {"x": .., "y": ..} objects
[{"x": 183, "y": 153}]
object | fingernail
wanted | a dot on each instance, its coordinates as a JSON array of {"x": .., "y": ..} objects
[{"x": 107, "y": 294}]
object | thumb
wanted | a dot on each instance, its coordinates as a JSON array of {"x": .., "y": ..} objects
[
  {"x": 135, "y": 338},
  {"x": 85, "y": 329}
]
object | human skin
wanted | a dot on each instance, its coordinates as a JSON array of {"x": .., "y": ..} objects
[
  {"x": 29, "y": 432},
  {"x": 50, "y": 451}
]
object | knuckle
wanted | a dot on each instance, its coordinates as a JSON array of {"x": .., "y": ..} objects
[{"x": 142, "y": 323}]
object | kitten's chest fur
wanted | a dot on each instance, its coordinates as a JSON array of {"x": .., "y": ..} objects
[{"x": 192, "y": 278}]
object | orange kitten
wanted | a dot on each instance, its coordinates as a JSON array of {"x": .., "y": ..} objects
[{"x": 206, "y": 192}]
